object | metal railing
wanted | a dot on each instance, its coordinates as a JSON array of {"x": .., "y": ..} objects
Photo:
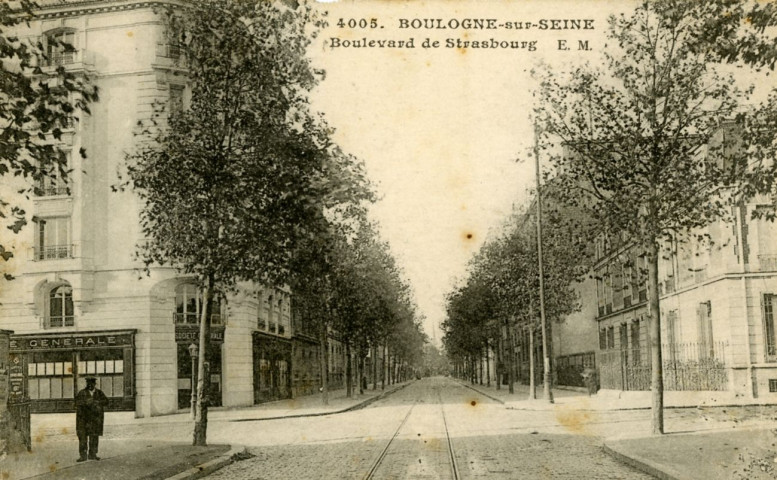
[
  {"x": 690, "y": 366},
  {"x": 194, "y": 319},
  {"x": 51, "y": 190},
  {"x": 59, "y": 321},
  {"x": 53, "y": 252}
]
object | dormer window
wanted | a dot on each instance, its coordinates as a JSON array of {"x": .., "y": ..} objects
[{"x": 60, "y": 47}]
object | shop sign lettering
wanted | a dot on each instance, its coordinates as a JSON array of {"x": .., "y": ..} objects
[{"x": 70, "y": 341}]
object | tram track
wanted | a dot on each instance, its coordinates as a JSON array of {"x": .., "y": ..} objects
[{"x": 375, "y": 469}]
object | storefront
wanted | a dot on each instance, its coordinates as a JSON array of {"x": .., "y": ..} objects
[
  {"x": 56, "y": 365},
  {"x": 272, "y": 367},
  {"x": 187, "y": 344}
]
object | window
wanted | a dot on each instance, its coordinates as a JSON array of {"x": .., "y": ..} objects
[
  {"x": 610, "y": 338},
  {"x": 600, "y": 295},
  {"x": 52, "y": 182},
  {"x": 768, "y": 314},
  {"x": 672, "y": 335},
  {"x": 271, "y": 314},
  {"x": 60, "y": 47},
  {"x": 60, "y": 307},
  {"x": 50, "y": 376},
  {"x": 53, "y": 238},
  {"x": 188, "y": 306},
  {"x": 636, "y": 352},
  {"x": 281, "y": 317},
  {"x": 706, "y": 344},
  {"x": 176, "y": 99},
  {"x": 603, "y": 339},
  {"x": 261, "y": 311}
]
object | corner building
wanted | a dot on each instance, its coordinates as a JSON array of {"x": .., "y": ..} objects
[{"x": 80, "y": 304}]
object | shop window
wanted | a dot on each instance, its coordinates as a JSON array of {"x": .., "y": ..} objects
[
  {"x": 60, "y": 47},
  {"x": 52, "y": 238},
  {"x": 60, "y": 307},
  {"x": 108, "y": 371},
  {"x": 188, "y": 306},
  {"x": 50, "y": 377}
]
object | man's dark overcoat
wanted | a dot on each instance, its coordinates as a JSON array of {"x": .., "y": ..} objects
[{"x": 90, "y": 412}]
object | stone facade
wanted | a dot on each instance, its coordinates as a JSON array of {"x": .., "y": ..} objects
[{"x": 76, "y": 276}]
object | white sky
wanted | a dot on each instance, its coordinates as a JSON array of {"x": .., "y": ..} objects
[{"x": 440, "y": 130}]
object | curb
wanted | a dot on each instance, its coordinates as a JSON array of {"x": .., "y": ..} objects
[
  {"x": 374, "y": 399},
  {"x": 641, "y": 464},
  {"x": 357, "y": 406},
  {"x": 210, "y": 466},
  {"x": 480, "y": 392}
]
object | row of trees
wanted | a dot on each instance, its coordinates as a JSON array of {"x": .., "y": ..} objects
[
  {"x": 245, "y": 184},
  {"x": 242, "y": 186},
  {"x": 501, "y": 294},
  {"x": 651, "y": 145}
]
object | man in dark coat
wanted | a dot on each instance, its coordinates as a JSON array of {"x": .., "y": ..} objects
[{"x": 90, "y": 413}]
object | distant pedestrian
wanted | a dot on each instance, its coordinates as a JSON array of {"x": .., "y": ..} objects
[{"x": 90, "y": 413}]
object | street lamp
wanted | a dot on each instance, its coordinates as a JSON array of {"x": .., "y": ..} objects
[{"x": 193, "y": 350}]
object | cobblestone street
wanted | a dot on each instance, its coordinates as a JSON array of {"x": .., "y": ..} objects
[{"x": 482, "y": 433}]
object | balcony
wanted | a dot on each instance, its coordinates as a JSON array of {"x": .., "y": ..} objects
[
  {"x": 767, "y": 262},
  {"x": 51, "y": 191},
  {"x": 57, "y": 321},
  {"x": 72, "y": 61},
  {"x": 194, "y": 319},
  {"x": 53, "y": 252}
]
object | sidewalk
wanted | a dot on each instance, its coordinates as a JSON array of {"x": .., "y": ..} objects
[
  {"x": 740, "y": 454},
  {"x": 608, "y": 400},
  {"x": 119, "y": 459},
  {"x": 732, "y": 441},
  {"x": 155, "y": 447}
]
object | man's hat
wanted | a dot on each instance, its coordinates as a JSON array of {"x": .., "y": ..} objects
[{"x": 91, "y": 379}]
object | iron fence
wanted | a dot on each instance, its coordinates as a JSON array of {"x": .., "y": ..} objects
[{"x": 690, "y": 366}]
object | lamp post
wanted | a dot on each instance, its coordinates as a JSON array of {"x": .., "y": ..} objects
[
  {"x": 547, "y": 391},
  {"x": 193, "y": 351}
]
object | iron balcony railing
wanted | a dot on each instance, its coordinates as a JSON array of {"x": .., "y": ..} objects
[
  {"x": 59, "y": 321},
  {"x": 53, "y": 252},
  {"x": 194, "y": 319},
  {"x": 51, "y": 190}
]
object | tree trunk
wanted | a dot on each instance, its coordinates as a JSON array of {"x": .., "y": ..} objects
[
  {"x": 348, "y": 373},
  {"x": 324, "y": 358},
  {"x": 547, "y": 378},
  {"x": 499, "y": 362},
  {"x": 203, "y": 377},
  {"x": 532, "y": 386},
  {"x": 656, "y": 362},
  {"x": 362, "y": 373},
  {"x": 374, "y": 368},
  {"x": 510, "y": 358},
  {"x": 480, "y": 368},
  {"x": 488, "y": 370},
  {"x": 384, "y": 367}
]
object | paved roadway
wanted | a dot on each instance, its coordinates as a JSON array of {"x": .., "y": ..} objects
[{"x": 407, "y": 436}]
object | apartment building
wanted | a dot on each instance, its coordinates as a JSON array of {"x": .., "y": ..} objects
[{"x": 80, "y": 303}]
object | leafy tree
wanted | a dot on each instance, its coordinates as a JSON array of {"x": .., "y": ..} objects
[
  {"x": 233, "y": 183},
  {"x": 638, "y": 138},
  {"x": 38, "y": 103}
]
